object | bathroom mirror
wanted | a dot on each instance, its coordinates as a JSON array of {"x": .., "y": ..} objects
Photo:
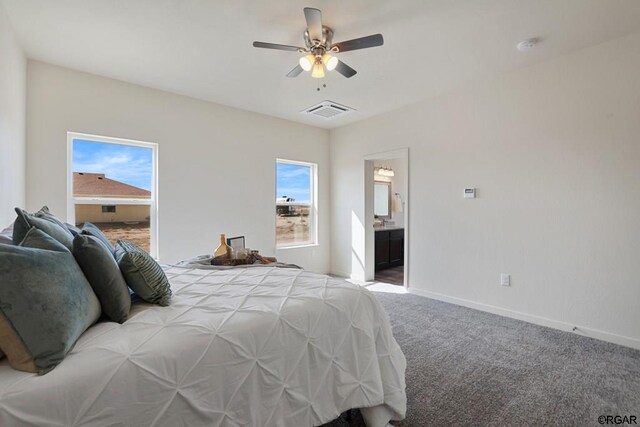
[{"x": 382, "y": 199}]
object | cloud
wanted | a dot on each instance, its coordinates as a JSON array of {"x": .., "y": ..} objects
[
  {"x": 131, "y": 165},
  {"x": 293, "y": 173}
]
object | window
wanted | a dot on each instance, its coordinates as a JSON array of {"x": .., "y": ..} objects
[
  {"x": 112, "y": 183},
  {"x": 296, "y": 204}
]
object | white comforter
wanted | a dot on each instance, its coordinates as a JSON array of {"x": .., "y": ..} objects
[{"x": 240, "y": 347}]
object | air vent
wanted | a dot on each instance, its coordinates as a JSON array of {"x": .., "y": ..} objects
[{"x": 328, "y": 110}]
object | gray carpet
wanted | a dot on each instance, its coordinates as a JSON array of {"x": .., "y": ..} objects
[{"x": 467, "y": 367}]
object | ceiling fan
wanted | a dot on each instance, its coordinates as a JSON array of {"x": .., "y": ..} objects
[{"x": 319, "y": 47}]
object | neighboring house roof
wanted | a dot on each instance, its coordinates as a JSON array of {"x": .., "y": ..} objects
[{"x": 98, "y": 185}]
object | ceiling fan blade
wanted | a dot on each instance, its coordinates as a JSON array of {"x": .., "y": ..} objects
[
  {"x": 265, "y": 45},
  {"x": 314, "y": 22},
  {"x": 295, "y": 72},
  {"x": 361, "y": 43},
  {"x": 345, "y": 70}
]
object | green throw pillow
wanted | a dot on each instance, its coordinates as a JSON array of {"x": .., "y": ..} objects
[
  {"x": 103, "y": 273},
  {"x": 43, "y": 221},
  {"x": 142, "y": 273},
  {"x": 46, "y": 302}
]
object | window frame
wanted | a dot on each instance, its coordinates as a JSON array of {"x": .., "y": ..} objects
[
  {"x": 313, "y": 204},
  {"x": 152, "y": 202}
]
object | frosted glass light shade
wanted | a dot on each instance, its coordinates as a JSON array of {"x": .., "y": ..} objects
[
  {"x": 383, "y": 171},
  {"x": 306, "y": 62},
  {"x": 318, "y": 71},
  {"x": 329, "y": 61}
]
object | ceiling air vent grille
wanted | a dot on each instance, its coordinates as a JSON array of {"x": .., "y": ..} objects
[{"x": 328, "y": 109}]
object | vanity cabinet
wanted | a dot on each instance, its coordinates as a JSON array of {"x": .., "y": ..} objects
[{"x": 389, "y": 248}]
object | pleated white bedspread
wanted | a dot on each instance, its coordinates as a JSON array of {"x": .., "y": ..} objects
[{"x": 239, "y": 347}]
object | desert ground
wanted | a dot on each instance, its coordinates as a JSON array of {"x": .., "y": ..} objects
[
  {"x": 138, "y": 234},
  {"x": 293, "y": 227},
  {"x": 290, "y": 228}
]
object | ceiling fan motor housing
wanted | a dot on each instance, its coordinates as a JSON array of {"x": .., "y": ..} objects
[{"x": 319, "y": 46}]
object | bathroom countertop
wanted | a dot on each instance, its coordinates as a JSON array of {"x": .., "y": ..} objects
[{"x": 387, "y": 228}]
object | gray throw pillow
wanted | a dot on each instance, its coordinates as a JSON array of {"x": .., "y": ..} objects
[
  {"x": 45, "y": 213},
  {"x": 46, "y": 302},
  {"x": 72, "y": 229},
  {"x": 42, "y": 221},
  {"x": 91, "y": 230},
  {"x": 101, "y": 268},
  {"x": 142, "y": 273}
]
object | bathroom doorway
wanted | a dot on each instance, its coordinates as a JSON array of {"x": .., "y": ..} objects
[{"x": 386, "y": 205}]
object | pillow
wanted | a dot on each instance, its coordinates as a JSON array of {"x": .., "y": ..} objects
[
  {"x": 46, "y": 303},
  {"x": 142, "y": 273},
  {"x": 45, "y": 213},
  {"x": 44, "y": 222},
  {"x": 72, "y": 229},
  {"x": 6, "y": 235},
  {"x": 91, "y": 230},
  {"x": 6, "y": 238},
  {"x": 103, "y": 273}
]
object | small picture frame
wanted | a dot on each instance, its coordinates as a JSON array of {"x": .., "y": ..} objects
[{"x": 236, "y": 242}]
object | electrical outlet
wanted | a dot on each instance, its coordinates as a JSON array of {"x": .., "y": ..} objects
[{"x": 505, "y": 279}]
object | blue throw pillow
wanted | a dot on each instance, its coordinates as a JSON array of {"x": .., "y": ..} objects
[{"x": 46, "y": 302}]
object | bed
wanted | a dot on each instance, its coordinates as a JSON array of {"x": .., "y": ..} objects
[{"x": 258, "y": 346}]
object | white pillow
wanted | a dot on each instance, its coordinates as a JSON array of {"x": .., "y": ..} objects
[{"x": 6, "y": 235}]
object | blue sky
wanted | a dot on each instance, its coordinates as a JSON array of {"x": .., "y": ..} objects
[
  {"x": 293, "y": 181},
  {"x": 124, "y": 163}
]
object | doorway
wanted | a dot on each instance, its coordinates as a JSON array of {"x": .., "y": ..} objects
[{"x": 386, "y": 217}]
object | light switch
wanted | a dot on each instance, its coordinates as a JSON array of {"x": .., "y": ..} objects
[{"x": 505, "y": 279}]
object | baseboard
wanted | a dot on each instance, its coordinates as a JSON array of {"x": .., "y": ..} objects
[
  {"x": 538, "y": 320},
  {"x": 336, "y": 273},
  {"x": 345, "y": 275}
]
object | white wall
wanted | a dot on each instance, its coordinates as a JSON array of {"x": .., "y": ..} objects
[
  {"x": 554, "y": 150},
  {"x": 216, "y": 164},
  {"x": 13, "y": 69}
]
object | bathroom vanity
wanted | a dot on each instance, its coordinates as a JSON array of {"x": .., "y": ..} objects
[{"x": 389, "y": 247}]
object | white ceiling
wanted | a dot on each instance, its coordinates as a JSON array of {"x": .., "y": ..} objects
[{"x": 202, "y": 48}]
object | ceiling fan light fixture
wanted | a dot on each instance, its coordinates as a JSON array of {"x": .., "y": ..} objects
[
  {"x": 307, "y": 61},
  {"x": 329, "y": 61},
  {"x": 318, "y": 70},
  {"x": 319, "y": 48}
]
